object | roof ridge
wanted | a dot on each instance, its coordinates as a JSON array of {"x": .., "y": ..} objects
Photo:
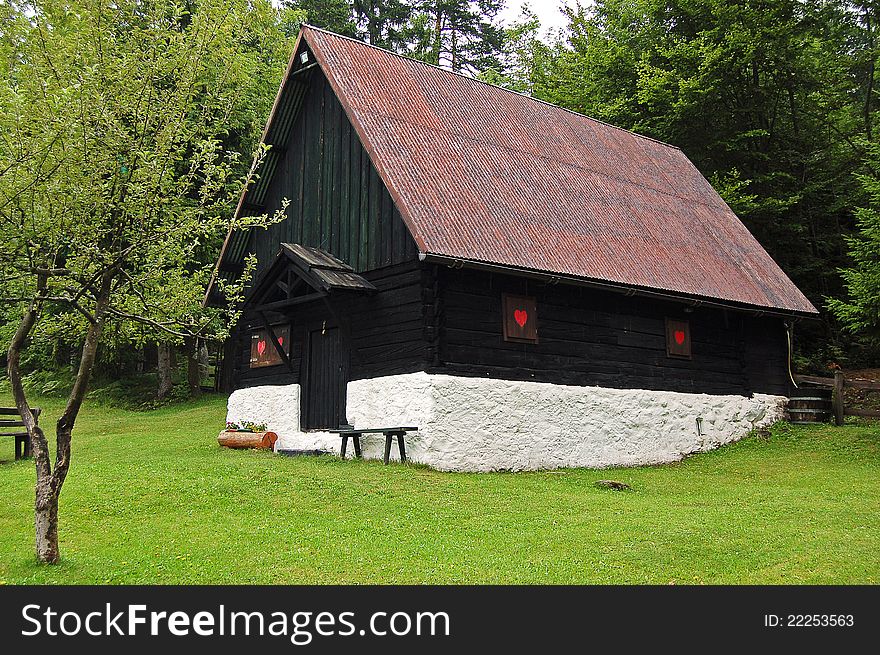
[{"x": 490, "y": 84}]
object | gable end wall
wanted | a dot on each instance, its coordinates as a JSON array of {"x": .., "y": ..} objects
[{"x": 337, "y": 201}]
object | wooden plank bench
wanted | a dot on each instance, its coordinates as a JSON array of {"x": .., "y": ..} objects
[
  {"x": 22, "y": 439},
  {"x": 390, "y": 434}
]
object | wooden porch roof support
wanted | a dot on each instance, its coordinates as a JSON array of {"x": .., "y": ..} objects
[
  {"x": 290, "y": 302},
  {"x": 296, "y": 266}
]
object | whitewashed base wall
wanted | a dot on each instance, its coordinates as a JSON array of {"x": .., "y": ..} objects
[{"x": 479, "y": 424}]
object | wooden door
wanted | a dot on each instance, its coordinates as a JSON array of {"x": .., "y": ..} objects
[{"x": 325, "y": 379}]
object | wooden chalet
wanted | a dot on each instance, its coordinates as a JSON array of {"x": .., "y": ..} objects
[{"x": 528, "y": 286}]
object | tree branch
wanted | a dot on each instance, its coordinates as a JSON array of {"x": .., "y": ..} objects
[{"x": 152, "y": 323}]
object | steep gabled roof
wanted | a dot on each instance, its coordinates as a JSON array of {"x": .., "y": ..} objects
[{"x": 487, "y": 176}]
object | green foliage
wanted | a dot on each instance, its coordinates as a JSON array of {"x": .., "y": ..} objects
[
  {"x": 333, "y": 15},
  {"x": 821, "y": 358},
  {"x": 121, "y": 129},
  {"x": 246, "y": 426},
  {"x": 135, "y": 393},
  {"x": 461, "y": 35},
  {"x": 522, "y": 56},
  {"x": 381, "y": 22},
  {"x": 44, "y": 381},
  {"x": 153, "y": 499},
  {"x": 859, "y": 312},
  {"x": 147, "y": 115}
]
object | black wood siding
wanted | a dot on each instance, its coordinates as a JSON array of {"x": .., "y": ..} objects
[
  {"x": 337, "y": 201},
  {"x": 449, "y": 321},
  {"x": 591, "y": 337},
  {"x": 384, "y": 331}
]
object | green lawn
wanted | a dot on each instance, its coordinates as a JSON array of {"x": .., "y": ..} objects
[{"x": 151, "y": 498}]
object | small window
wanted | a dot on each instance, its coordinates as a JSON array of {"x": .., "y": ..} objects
[
  {"x": 678, "y": 338},
  {"x": 264, "y": 352},
  {"x": 520, "y": 318}
]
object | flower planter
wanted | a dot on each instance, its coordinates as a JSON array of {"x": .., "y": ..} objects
[{"x": 242, "y": 439}]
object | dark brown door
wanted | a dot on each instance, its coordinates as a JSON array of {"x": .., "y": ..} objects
[{"x": 323, "y": 392}]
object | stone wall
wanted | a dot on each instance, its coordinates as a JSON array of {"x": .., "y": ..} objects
[{"x": 479, "y": 424}]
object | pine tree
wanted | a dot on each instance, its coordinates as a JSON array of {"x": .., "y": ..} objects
[
  {"x": 461, "y": 35},
  {"x": 859, "y": 312}
]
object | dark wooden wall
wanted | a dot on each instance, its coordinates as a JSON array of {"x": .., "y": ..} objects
[
  {"x": 592, "y": 337},
  {"x": 426, "y": 317},
  {"x": 337, "y": 201},
  {"x": 385, "y": 330}
]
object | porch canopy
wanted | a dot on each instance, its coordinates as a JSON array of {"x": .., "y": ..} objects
[{"x": 300, "y": 274}]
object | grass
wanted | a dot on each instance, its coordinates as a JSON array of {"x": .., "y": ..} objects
[{"x": 151, "y": 498}]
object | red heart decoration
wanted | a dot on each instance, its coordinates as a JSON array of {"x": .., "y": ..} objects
[
  {"x": 261, "y": 346},
  {"x": 280, "y": 341},
  {"x": 679, "y": 337},
  {"x": 521, "y": 316}
]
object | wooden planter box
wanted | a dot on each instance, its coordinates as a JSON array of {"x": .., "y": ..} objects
[{"x": 240, "y": 439}]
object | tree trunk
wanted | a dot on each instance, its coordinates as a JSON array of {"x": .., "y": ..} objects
[
  {"x": 204, "y": 360},
  {"x": 46, "y": 521},
  {"x": 193, "y": 372},
  {"x": 438, "y": 38},
  {"x": 49, "y": 481},
  {"x": 163, "y": 370},
  {"x": 45, "y": 510}
]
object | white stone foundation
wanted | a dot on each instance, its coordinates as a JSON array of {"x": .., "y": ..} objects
[{"x": 479, "y": 424}]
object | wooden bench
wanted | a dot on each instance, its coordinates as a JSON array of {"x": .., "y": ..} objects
[
  {"x": 22, "y": 439},
  {"x": 390, "y": 433}
]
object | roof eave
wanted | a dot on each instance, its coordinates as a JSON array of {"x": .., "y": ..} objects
[{"x": 631, "y": 290}]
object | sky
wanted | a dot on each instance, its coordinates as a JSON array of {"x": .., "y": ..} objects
[{"x": 548, "y": 11}]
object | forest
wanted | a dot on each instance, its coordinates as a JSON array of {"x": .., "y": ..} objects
[{"x": 127, "y": 131}]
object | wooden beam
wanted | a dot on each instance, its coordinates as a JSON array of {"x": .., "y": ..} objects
[
  {"x": 830, "y": 382},
  {"x": 811, "y": 379},
  {"x": 280, "y": 304},
  {"x": 278, "y": 348},
  {"x": 304, "y": 68},
  {"x": 297, "y": 284}
]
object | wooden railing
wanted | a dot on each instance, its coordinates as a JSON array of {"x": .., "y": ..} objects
[{"x": 838, "y": 383}]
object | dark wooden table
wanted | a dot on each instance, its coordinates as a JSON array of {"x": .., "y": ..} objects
[{"x": 390, "y": 434}]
